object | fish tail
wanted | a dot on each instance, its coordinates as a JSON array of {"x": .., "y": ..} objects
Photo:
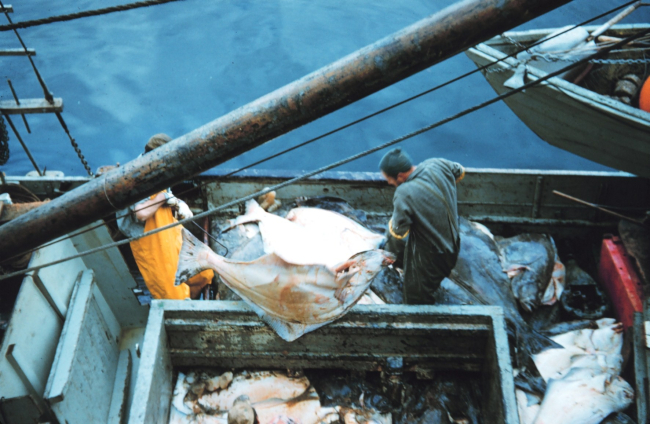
[
  {"x": 193, "y": 258},
  {"x": 531, "y": 342},
  {"x": 253, "y": 213}
]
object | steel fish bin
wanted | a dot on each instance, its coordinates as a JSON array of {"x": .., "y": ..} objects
[{"x": 228, "y": 334}]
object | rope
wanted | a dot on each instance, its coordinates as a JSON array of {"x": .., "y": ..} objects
[
  {"x": 339, "y": 163},
  {"x": 480, "y": 69},
  {"x": 88, "y": 13},
  {"x": 4, "y": 142}
]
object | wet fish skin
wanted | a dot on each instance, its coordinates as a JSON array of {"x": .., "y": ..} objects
[
  {"x": 347, "y": 390},
  {"x": 258, "y": 386},
  {"x": 334, "y": 204},
  {"x": 531, "y": 258},
  {"x": 242, "y": 412},
  {"x": 599, "y": 349},
  {"x": 450, "y": 293},
  {"x": 356, "y": 236},
  {"x": 316, "y": 237},
  {"x": 565, "y": 327},
  {"x": 389, "y": 285},
  {"x": 618, "y": 418},
  {"x": 583, "y": 396},
  {"x": 527, "y": 406},
  {"x": 479, "y": 272},
  {"x": 292, "y": 299}
]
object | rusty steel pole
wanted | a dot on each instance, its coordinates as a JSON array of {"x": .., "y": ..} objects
[{"x": 349, "y": 79}]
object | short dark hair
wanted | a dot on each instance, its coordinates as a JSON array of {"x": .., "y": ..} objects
[{"x": 394, "y": 162}]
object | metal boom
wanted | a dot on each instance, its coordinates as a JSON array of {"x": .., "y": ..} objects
[{"x": 347, "y": 80}]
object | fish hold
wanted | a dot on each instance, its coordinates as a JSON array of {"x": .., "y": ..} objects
[
  {"x": 292, "y": 299},
  {"x": 529, "y": 260},
  {"x": 583, "y": 396},
  {"x": 479, "y": 272}
]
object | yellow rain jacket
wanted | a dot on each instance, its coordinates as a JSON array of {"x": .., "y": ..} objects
[{"x": 157, "y": 259}]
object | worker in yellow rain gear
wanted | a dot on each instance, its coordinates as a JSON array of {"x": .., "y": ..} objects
[{"x": 157, "y": 254}]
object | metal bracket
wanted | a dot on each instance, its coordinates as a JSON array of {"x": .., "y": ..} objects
[{"x": 41, "y": 287}]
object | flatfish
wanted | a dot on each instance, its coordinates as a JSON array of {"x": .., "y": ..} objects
[
  {"x": 330, "y": 223},
  {"x": 292, "y": 298},
  {"x": 320, "y": 237},
  {"x": 583, "y": 396},
  {"x": 479, "y": 273},
  {"x": 334, "y": 204},
  {"x": 529, "y": 260}
]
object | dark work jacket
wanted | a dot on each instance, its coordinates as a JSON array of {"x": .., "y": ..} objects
[{"x": 425, "y": 210}]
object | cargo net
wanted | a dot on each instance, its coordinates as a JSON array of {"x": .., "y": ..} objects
[{"x": 4, "y": 142}]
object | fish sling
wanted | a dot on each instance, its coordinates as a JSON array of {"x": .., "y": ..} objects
[{"x": 292, "y": 299}]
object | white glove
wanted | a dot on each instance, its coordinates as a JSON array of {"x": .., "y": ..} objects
[
  {"x": 184, "y": 211},
  {"x": 171, "y": 200}
]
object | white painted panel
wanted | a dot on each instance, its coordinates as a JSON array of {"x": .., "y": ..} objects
[
  {"x": 34, "y": 329},
  {"x": 112, "y": 277},
  {"x": 58, "y": 279},
  {"x": 82, "y": 379}
]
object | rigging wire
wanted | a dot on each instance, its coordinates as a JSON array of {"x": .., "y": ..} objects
[
  {"x": 350, "y": 124},
  {"x": 50, "y": 99},
  {"x": 85, "y": 14},
  {"x": 341, "y": 162}
]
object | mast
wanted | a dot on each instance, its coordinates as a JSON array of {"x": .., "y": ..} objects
[{"x": 364, "y": 72}]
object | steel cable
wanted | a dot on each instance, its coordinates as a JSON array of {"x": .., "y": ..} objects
[
  {"x": 85, "y": 14},
  {"x": 341, "y": 162}
]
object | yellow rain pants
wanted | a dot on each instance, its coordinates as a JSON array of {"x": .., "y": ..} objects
[{"x": 157, "y": 259}]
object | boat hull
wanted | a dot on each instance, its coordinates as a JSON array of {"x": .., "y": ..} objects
[{"x": 572, "y": 118}]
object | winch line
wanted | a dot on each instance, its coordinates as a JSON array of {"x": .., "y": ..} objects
[
  {"x": 482, "y": 68},
  {"x": 84, "y": 14},
  {"x": 341, "y": 162}
]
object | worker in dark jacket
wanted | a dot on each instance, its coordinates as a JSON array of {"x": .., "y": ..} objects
[{"x": 425, "y": 216}]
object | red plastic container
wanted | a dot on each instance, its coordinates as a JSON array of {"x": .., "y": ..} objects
[{"x": 619, "y": 278}]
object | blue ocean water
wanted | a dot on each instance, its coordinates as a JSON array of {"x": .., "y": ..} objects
[{"x": 172, "y": 68}]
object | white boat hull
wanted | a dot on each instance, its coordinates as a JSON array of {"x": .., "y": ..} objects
[{"x": 572, "y": 118}]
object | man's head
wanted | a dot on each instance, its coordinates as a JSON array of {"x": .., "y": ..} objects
[
  {"x": 396, "y": 166},
  {"x": 156, "y": 141}
]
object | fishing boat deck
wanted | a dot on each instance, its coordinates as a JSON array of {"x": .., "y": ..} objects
[{"x": 508, "y": 202}]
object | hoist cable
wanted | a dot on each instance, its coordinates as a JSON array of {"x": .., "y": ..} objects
[
  {"x": 458, "y": 115},
  {"x": 479, "y": 69},
  {"x": 84, "y": 14}
]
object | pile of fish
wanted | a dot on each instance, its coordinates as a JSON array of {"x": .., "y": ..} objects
[
  {"x": 583, "y": 382},
  {"x": 317, "y": 265},
  {"x": 324, "y": 396},
  {"x": 264, "y": 397},
  {"x": 303, "y": 270}
]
